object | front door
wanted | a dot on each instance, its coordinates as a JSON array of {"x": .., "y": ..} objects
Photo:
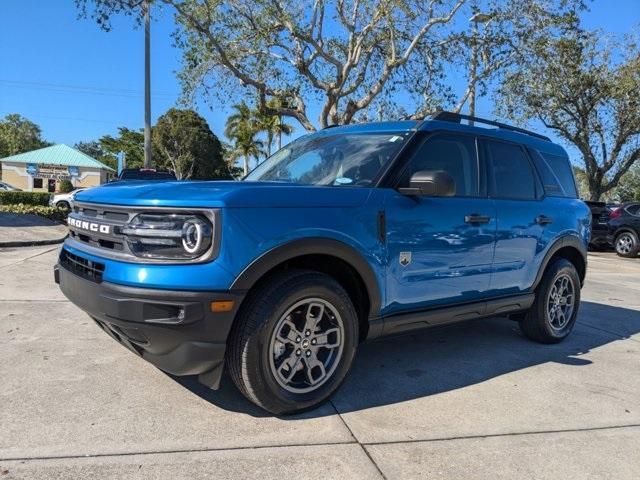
[{"x": 440, "y": 249}]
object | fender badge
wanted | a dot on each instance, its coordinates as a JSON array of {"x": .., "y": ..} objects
[{"x": 405, "y": 258}]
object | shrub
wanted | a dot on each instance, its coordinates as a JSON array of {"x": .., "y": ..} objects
[
  {"x": 65, "y": 186},
  {"x": 52, "y": 213},
  {"x": 26, "y": 198}
]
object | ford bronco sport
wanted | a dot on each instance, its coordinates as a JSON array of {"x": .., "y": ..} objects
[{"x": 342, "y": 236}]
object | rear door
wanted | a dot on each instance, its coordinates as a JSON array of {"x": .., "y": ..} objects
[
  {"x": 522, "y": 215},
  {"x": 440, "y": 249}
]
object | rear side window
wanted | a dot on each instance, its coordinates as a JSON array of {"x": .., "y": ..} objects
[
  {"x": 454, "y": 154},
  {"x": 634, "y": 209},
  {"x": 556, "y": 174},
  {"x": 510, "y": 175}
]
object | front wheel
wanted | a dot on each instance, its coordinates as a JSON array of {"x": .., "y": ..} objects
[
  {"x": 555, "y": 309},
  {"x": 627, "y": 244},
  {"x": 294, "y": 341}
]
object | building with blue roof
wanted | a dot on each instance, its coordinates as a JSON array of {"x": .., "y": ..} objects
[{"x": 42, "y": 170}]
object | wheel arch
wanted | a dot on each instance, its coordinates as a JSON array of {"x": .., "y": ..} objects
[
  {"x": 569, "y": 247},
  {"x": 623, "y": 229},
  {"x": 335, "y": 258}
]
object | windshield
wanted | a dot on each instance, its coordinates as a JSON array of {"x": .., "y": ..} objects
[{"x": 339, "y": 159}]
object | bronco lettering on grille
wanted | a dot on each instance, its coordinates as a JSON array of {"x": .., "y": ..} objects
[{"x": 90, "y": 226}]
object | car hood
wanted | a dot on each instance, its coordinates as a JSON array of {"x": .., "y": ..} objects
[{"x": 222, "y": 194}]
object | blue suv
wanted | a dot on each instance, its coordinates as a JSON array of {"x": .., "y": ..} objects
[{"x": 344, "y": 235}]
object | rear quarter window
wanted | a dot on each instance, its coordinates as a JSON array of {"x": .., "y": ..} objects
[
  {"x": 556, "y": 173},
  {"x": 634, "y": 209}
]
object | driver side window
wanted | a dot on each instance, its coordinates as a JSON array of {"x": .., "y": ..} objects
[{"x": 455, "y": 154}]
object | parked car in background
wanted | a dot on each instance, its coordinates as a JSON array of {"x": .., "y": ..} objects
[
  {"x": 624, "y": 229},
  {"x": 147, "y": 174},
  {"x": 64, "y": 200},
  {"x": 344, "y": 235},
  {"x": 6, "y": 187},
  {"x": 600, "y": 212}
]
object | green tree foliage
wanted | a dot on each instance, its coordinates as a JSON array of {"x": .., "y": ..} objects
[
  {"x": 271, "y": 124},
  {"x": 576, "y": 87},
  {"x": 628, "y": 189},
  {"x": 241, "y": 128},
  {"x": 18, "y": 135},
  {"x": 188, "y": 146},
  {"x": 355, "y": 59},
  {"x": 94, "y": 149},
  {"x": 130, "y": 142},
  {"x": 91, "y": 148},
  {"x": 65, "y": 186}
]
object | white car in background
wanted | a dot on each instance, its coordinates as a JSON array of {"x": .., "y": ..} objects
[
  {"x": 5, "y": 187},
  {"x": 64, "y": 200}
]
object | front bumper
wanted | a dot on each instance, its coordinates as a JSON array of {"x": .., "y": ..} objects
[{"x": 174, "y": 330}]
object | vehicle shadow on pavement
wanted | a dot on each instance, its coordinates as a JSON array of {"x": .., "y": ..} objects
[{"x": 399, "y": 369}]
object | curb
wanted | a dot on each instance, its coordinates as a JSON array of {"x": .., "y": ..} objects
[{"x": 32, "y": 243}]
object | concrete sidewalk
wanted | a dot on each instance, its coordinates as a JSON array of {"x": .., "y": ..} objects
[
  {"x": 469, "y": 401},
  {"x": 29, "y": 230}
]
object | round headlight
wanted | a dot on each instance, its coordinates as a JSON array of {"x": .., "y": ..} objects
[
  {"x": 192, "y": 235},
  {"x": 169, "y": 236}
]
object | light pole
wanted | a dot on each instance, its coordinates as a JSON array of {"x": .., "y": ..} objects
[
  {"x": 475, "y": 19},
  {"x": 147, "y": 85}
]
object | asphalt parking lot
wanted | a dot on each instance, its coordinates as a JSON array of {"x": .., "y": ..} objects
[{"x": 474, "y": 400}]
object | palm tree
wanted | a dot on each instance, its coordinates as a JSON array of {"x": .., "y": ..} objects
[
  {"x": 246, "y": 146},
  {"x": 272, "y": 125},
  {"x": 280, "y": 128},
  {"x": 241, "y": 130}
]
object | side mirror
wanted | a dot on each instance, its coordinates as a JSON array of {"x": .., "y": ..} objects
[{"x": 433, "y": 183}]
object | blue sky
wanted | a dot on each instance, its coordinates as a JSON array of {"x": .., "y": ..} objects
[{"x": 79, "y": 82}]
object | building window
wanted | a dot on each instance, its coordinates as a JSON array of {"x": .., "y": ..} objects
[{"x": 37, "y": 183}]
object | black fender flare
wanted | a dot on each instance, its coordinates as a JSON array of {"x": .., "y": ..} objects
[
  {"x": 562, "y": 242},
  {"x": 310, "y": 246}
]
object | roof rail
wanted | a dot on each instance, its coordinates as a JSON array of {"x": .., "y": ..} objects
[{"x": 445, "y": 116}]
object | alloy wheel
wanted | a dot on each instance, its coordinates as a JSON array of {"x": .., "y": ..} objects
[
  {"x": 624, "y": 244},
  {"x": 306, "y": 345},
  {"x": 560, "y": 303}
]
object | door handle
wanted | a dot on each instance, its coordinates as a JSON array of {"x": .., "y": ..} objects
[
  {"x": 543, "y": 220},
  {"x": 473, "y": 218}
]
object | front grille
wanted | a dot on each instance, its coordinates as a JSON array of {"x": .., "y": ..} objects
[
  {"x": 97, "y": 230},
  {"x": 82, "y": 267},
  {"x": 94, "y": 241},
  {"x": 113, "y": 218}
]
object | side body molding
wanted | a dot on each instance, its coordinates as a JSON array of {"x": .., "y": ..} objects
[{"x": 312, "y": 246}]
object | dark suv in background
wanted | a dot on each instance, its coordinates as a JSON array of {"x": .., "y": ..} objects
[
  {"x": 146, "y": 174},
  {"x": 624, "y": 229},
  {"x": 600, "y": 215}
]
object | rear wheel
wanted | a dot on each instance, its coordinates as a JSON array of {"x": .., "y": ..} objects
[
  {"x": 555, "y": 309},
  {"x": 627, "y": 244},
  {"x": 294, "y": 341},
  {"x": 63, "y": 204}
]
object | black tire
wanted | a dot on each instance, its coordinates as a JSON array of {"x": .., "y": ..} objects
[
  {"x": 249, "y": 358},
  {"x": 538, "y": 323},
  {"x": 626, "y": 244},
  {"x": 64, "y": 205}
]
